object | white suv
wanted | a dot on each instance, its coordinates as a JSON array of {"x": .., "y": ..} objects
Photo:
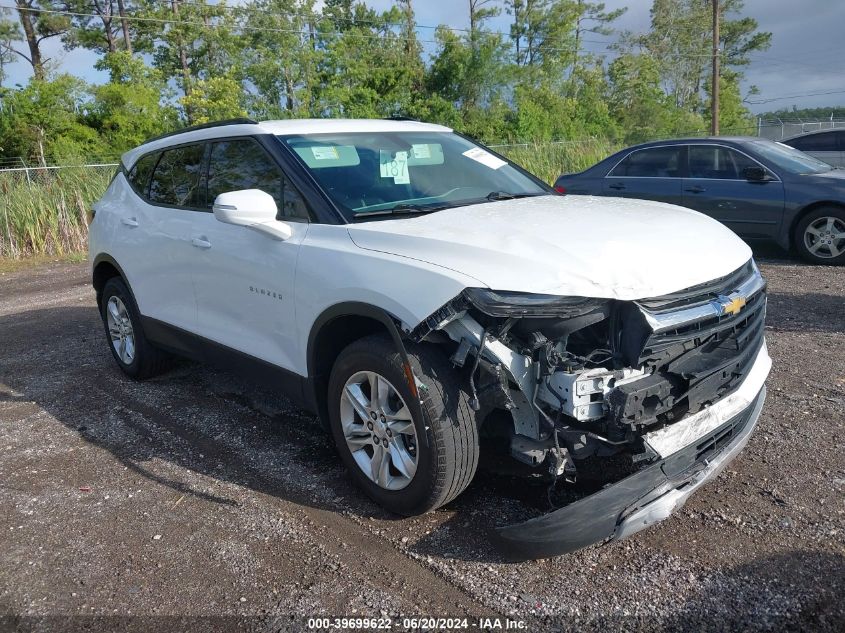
[{"x": 425, "y": 297}]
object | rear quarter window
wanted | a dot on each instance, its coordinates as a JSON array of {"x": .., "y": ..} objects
[{"x": 139, "y": 175}]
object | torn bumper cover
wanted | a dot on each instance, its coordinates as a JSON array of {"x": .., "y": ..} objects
[{"x": 696, "y": 451}]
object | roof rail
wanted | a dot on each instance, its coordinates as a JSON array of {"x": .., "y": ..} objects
[
  {"x": 399, "y": 117},
  {"x": 202, "y": 126}
]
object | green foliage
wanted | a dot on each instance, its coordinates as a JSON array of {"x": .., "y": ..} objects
[
  {"x": 179, "y": 62},
  {"x": 41, "y": 122},
  {"x": 43, "y": 212}
]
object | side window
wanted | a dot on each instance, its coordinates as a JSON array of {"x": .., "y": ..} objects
[
  {"x": 139, "y": 175},
  {"x": 177, "y": 177},
  {"x": 243, "y": 164},
  {"x": 655, "y": 162},
  {"x": 825, "y": 142},
  {"x": 719, "y": 163}
]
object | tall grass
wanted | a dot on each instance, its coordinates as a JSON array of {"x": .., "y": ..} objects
[
  {"x": 550, "y": 160},
  {"x": 43, "y": 212}
]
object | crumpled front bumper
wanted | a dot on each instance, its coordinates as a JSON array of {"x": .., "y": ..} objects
[{"x": 648, "y": 496}]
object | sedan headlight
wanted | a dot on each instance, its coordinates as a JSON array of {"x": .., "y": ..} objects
[{"x": 506, "y": 303}]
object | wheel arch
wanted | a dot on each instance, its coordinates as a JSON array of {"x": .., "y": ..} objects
[
  {"x": 105, "y": 267},
  {"x": 807, "y": 210},
  {"x": 336, "y": 328}
]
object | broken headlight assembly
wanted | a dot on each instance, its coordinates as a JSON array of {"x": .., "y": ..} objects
[{"x": 505, "y": 303}]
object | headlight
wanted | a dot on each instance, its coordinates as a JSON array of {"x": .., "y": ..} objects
[{"x": 506, "y": 303}]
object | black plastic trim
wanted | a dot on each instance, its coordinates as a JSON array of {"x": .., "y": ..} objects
[
  {"x": 202, "y": 126},
  {"x": 189, "y": 345},
  {"x": 595, "y": 518}
]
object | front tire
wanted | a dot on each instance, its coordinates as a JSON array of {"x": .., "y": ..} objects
[
  {"x": 134, "y": 354},
  {"x": 820, "y": 236},
  {"x": 407, "y": 462}
]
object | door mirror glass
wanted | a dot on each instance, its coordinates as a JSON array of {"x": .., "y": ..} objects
[
  {"x": 755, "y": 174},
  {"x": 253, "y": 209}
]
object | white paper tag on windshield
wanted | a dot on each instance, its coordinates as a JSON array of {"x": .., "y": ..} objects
[
  {"x": 396, "y": 168},
  {"x": 327, "y": 152},
  {"x": 485, "y": 158},
  {"x": 421, "y": 151}
]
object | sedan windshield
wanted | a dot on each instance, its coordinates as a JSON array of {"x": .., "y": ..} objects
[
  {"x": 375, "y": 174},
  {"x": 789, "y": 158}
]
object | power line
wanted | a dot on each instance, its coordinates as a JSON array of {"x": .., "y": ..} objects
[
  {"x": 246, "y": 27},
  {"x": 798, "y": 96}
]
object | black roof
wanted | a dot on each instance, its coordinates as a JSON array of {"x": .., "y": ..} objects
[{"x": 203, "y": 126}]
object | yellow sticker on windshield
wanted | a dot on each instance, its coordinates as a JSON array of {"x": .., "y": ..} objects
[{"x": 395, "y": 167}]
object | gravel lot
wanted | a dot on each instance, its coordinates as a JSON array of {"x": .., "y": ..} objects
[{"x": 195, "y": 494}]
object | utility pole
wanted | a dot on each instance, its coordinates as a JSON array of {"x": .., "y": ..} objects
[{"x": 714, "y": 90}]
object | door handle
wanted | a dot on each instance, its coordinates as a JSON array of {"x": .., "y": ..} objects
[
  {"x": 696, "y": 189},
  {"x": 617, "y": 185},
  {"x": 200, "y": 242},
  {"x": 129, "y": 222}
]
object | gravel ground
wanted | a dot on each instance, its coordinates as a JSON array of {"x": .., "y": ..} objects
[{"x": 195, "y": 494}]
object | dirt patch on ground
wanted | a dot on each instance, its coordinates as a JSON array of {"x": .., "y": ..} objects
[{"x": 195, "y": 494}]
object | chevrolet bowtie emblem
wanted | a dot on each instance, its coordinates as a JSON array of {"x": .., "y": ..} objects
[{"x": 730, "y": 305}]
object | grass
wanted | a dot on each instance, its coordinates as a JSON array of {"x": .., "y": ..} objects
[
  {"x": 43, "y": 216},
  {"x": 550, "y": 160}
]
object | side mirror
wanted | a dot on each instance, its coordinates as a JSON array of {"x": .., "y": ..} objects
[
  {"x": 755, "y": 174},
  {"x": 253, "y": 209}
]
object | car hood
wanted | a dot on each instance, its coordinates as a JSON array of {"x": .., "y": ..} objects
[
  {"x": 832, "y": 177},
  {"x": 567, "y": 245}
]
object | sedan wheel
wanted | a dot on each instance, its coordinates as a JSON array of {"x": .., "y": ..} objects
[
  {"x": 379, "y": 430},
  {"x": 824, "y": 237}
]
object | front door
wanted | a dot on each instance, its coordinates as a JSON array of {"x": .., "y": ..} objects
[
  {"x": 244, "y": 280},
  {"x": 716, "y": 186}
]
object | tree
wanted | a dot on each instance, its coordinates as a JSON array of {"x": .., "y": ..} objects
[
  {"x": 38, "y": 24},
  {"x": 42, "y": 122},
  {"x": 128, "y": 109}
]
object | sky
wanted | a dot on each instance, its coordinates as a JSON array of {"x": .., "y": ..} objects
[{"x": 806, "y": 56}]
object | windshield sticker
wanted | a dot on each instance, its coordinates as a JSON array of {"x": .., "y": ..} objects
[
  {"x": 394, "y": 167},
  {"x": 421, "y": 151},
  {"x": 328, "y": 152},
  {"x": 485, "y": 158}
]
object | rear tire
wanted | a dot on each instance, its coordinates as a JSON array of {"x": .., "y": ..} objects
[
  {"x": 819, "y": 236},
  {"x": 442, "y": 444},
  {"x": 134, "y": 354}
]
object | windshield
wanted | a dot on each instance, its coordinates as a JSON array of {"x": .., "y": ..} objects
[
  {"x": 789, "y": 158},
  {"x": 372, "y": 174}
]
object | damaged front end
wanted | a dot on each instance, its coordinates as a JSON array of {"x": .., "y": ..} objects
[{"x": 635, "y": 399}]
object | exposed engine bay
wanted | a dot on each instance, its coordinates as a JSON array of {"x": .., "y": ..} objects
[{"x": 584, "y": 381}]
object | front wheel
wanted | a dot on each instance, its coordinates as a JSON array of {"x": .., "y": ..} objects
[
  {"x": 820, "y": 236},
  {"x": 408, "y": 455}
]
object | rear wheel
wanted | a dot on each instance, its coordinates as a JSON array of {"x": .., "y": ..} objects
[
  {"x": 820, "y": 236},
  {"x": 122, "y": 321},
  {"x": 409, "y": 455}
]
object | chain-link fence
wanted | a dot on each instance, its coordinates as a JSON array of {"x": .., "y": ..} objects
[{"x": 780, "y": 129}]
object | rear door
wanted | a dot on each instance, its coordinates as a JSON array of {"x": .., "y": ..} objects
[
  {"x": 716, "y": 186},
  {"x": 156, "y": 229},
  {"x": 652, "y": 173},
  {"x": 244, "y": 280}
]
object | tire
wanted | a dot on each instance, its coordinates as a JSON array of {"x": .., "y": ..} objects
[
  {"x": 139, "y": 359},
  {"x": 445, "y": 439},
  {"x": 815, "y": 237}
]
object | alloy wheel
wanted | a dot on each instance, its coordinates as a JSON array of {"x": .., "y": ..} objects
[
  {"x": 379, "y": 430},
  {"x": 120, "y": 330},
  {"x": 825, "y": 237}
]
